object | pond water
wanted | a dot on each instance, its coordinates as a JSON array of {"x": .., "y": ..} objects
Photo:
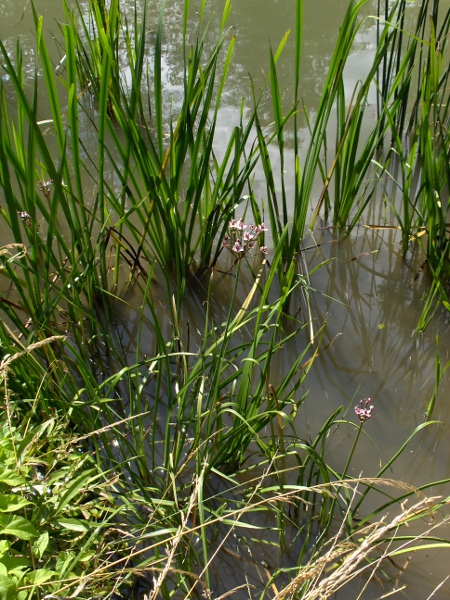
[{"x": 369, "y": 295}]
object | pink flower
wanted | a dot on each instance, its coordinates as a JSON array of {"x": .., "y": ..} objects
[
  {"x": 261, "y": 228},
  {"x": 25, "y": 217},
  {"x": 364, "y": 410},
  {"x": 233, "y": 242}
]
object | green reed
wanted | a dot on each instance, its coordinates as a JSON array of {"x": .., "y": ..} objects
[
  {"x": 418, "y": 118},
  {"x": 56, "y": 278},
  {"x": 177, "y": 196},
  {"x": 414, "y": 116},
  {"x": 350, "y": 177},
  {"x": 161, "y": 515}
]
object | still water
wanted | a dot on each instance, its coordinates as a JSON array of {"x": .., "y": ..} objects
[{"x": 369, "y": 295}]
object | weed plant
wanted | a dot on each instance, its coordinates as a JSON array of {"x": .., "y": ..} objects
[
  {"x": 136, "y": 471},
  {"x": 56, "y": 500}
]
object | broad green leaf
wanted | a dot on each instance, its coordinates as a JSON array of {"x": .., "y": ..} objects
[
  {"x": 86, "y": 556},
  {"x": 8, "y": 588},
  {"x": 10, "y": 477},
  {"x": 15, "y": 565},
  {"x": 4, "y": 547},
  {"x": 40, "y": 545},
  {"x": 18, "y": 526},
  {"x": 40, "y": 576},
  {"x": 73, "y": 524},
  {"x": 12, "y": 502}
]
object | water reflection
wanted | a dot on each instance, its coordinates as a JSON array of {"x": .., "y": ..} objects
[
  {"x": 370, "y": 295},
  {"x": 256, "y": 24}
]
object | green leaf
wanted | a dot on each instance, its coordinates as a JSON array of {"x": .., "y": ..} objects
[
  {"x": 12, "y": 502},
  {"x": 41, "y": 544},
  {"x": 40, "y": 576},
  {"x": 63, "y": 562},
  {"x": 8, "y": 588},
  {"x": 86, "y": 556},
  {"x": 73, "y": 524},
  {"x": 15, "y": 565},
  {"x": 18, "y": 526},
  {"x": 10, "y": 477},
  {"x": 4, "y": 547},
  {"x": 74, "y": 489}
]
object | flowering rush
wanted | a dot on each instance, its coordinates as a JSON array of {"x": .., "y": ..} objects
[
  {"x": 364, "y": 410},
  {"x": 240, "y": 238}
]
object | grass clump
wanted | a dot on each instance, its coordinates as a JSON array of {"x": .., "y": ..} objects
[{"x": 57, "y": 503}]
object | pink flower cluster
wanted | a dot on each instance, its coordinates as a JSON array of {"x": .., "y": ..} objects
[
  {"x": 25, "y": 217},
  {"x": 364, "y": 410},
  {"x": 239, "y": 241}
]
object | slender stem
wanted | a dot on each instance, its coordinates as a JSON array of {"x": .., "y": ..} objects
[{"x": 352, "y": 451}]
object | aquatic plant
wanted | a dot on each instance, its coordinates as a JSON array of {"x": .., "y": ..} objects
[
  {"x": 239, "y": 241},
  {"x": 418, "y": 161},
  {"x": 165, "y": 455},
  {"x": 175, "y": 192},
  {"x": 351, "y": 181},
  {"x": 364, "y": 410}
]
